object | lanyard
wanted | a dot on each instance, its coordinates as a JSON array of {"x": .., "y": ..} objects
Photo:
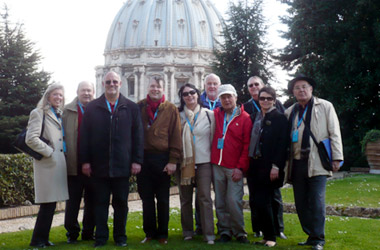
[
  {"x": 154, "y": 118},
  {"x": 225, "y": 123},
  {"x": 81, "y": 107},
  {"x": 109, "y": 106},
  {"x": 192, "y": 127},
  {"x": 300, "y": 120},
  {"x": 63, "y": 130},
  {"x": 212, "y": 107},
  {"x": 254, "y": 104}
]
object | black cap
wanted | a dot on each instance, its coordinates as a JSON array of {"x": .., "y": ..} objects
[{"x": 300, "y": 77}]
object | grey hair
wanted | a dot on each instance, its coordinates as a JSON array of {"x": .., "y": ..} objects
[
  {"x": 212, "y": 75},
  {"x": 44, "y": 101},
  {"x": 257, "y": 78},
  {"x": 86, "y": 82}
]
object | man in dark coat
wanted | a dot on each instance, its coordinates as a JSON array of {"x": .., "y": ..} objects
[{"x": 111, "y": 149}]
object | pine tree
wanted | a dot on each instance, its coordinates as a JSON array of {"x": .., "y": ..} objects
[
  {"x": 337, "y": 44},
  {"x": 22, "y": 83},
  {"x": 244, "y": 52}
]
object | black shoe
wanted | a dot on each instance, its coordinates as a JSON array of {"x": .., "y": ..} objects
[
  {"x": 121, "y": 244},
  {"x": 306, "y": 243},
  {"x": 283, "y": 236},
  {"x": 99, "y": 244},
  {"x": 243, "y": 240},
  {"x": 71, "y": 240},
  {"x": 38, "y": 245},
  {"x": 49, "y": 244},
  {"x": 317, "y": 247},
  {"x": 224, "y": 238},
  {"x": 88, "y": 237},
  {"x": 259, "y": 234},
  {"x": 198, "y": 231}
]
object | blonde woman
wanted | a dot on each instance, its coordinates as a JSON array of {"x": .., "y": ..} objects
[{"x": 50, "y": 176}]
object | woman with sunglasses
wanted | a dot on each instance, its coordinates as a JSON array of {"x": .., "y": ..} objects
[
  {"x": 267, "y": 152},
  {"x": 197, "y": 130}
]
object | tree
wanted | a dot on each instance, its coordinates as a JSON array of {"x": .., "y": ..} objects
[
  {"x": 243, "y": 54},
  {"x": 336, "y": 42},
  {"x": 21, "y": 82}
]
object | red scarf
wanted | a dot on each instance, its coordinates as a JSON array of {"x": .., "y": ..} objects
[{"x": 152, "y": 107}]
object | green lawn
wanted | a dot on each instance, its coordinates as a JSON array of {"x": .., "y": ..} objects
[{"x": 342, "y": 233}]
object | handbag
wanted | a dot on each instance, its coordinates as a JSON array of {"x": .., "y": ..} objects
[
  {"x": 324, "y": 153},
  {"x": 21, "y": 146}
]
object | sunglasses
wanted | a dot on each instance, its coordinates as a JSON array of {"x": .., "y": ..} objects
[
  {"x": 192, "y": 92},
  {"x": 256, "y": 84},
  {"x": 108, "y": 82},
  {"x": 269, "y": 99}
]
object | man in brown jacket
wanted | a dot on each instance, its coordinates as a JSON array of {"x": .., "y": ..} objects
[
  {"x": 162, "y": 151},
  {"x": 77, "y": 182}
]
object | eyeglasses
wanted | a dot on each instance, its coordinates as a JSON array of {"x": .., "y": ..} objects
[
  {"x": 256, "y": 84},
  {"x": 108, "y": 82},
  {"x": 191, "y": 92},
  {"x": 303, "y": 87},
  {"x": 269, "y": 99}
]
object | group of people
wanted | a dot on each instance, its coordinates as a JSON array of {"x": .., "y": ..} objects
[{"x": 209, "y": 141}]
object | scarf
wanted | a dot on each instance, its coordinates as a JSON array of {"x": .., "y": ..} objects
[
  {"x": 305, "y": 145},
  {"x": 188, "y": 163},
  {"x": 152, "y": 107}
]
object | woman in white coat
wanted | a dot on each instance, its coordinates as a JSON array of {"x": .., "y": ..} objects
[
  {"x": 198, "y": 126},
  {"x": 50, "y": 174}
]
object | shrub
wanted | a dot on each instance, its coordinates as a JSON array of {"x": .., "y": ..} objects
[
  {"x": 371, "y": 136},
  {"x": 16, "y": 179}
]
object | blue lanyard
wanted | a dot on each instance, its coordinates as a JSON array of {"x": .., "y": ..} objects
[
  {"x": 212, "y": 107},
  {"x": 81, "y": 107},
  {"x": 154, "y": 118},
  {"x": 225, "y": 123},
  {"x": 192, "y": 127},
  {"x": 63, "y": 130},
  {"x": 109, "y": 106},
  {"x": 257, "y": 107},
  {"x": 300, "y": 120}
]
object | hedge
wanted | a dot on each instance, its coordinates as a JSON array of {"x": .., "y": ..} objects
[{"x": 16, "y": 179}]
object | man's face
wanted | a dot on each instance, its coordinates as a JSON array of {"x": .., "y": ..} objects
[
  {"x": 85, "y": 93},
  {"x": 228, "y": 102},
  {"x": 155, "y": 90},
  {"x": 303, "y": 91},
  {"x": 211, "y": 87},
  {"x": 254, "y": 87},
  {"x": 112, "y": 84}
]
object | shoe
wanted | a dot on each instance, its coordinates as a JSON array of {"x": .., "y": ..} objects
[
  {"x": 317, "y": 247},
  {"x": 261, "y": 242},
  {"x": 71, "y": 240},
  {"x": 283, "y": 236},
  {"x": 243, "y": 240},
  {"x": 38, "y": 245},
  {"x": 306, "y": 243},
  {"x": 146, "y": 240},
  {"x": 188, "y": 238},
  {"x": 210, "y": 242},
  {"x": 270, "y": 243},
  {"x": 49, "y": 244},
  {"x": 121, "y": 244},
  {"x": 224, "y": 238},
  {"x": 99, "y": 244},
  {"x": 198, "y": 231},
  {"x": 163, "y": 241},
  {"x": 258, "y": 234},
  {"x": 91, "y": 237}
]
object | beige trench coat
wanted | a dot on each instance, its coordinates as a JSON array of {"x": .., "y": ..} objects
[{"x": 50, "y": 174}]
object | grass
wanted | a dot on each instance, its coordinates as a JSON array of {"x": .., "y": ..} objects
[
  {"x": 361, "y": 190},
  {"x": 342, "y": 233}
]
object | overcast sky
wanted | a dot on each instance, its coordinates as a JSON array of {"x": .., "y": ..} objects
[{"x": 71, "y": 34}]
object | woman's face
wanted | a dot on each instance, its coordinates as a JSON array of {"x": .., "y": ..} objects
[
  {"x": 190, "y": 96},
  {"x": 266, "y": 101},
  {"x": 56, "y": 98}
]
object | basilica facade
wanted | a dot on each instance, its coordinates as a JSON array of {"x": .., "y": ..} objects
[{"x": 172, "y": 39}]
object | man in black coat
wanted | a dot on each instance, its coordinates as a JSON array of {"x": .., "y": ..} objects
[
  {"x": 111, "y": 149},
  {"x": 252, "y": 107}
]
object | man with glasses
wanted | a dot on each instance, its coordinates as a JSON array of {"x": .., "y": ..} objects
[
  {"x": 311, "y": 116},
  {"x": 111, "y": 149},
  {"x": 252, "y": 107}
]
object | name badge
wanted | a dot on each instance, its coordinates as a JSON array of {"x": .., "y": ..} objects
[
  {"x": 295, "y": 136},
  {"x": 220, "y": 143}
]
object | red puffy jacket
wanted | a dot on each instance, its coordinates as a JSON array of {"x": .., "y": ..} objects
[{"x": 236, "y": 140}]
